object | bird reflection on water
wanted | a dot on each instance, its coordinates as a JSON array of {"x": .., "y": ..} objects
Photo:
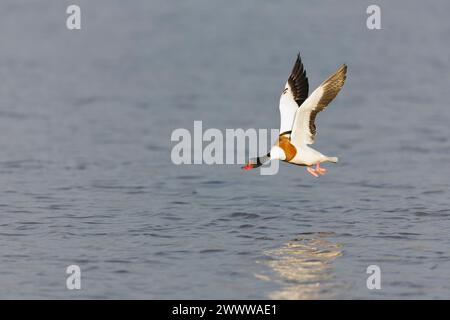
[{"x": 304, "y": 267}]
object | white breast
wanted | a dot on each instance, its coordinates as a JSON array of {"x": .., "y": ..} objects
[{"x": 276, "y": 153}]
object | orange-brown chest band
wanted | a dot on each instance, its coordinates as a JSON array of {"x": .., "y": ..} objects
[{"x": 289, "y": 150}]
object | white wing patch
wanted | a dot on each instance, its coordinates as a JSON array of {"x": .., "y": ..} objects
[
  {"x": 288, "y": 108},
  {"x": 294, "y": 94},
  {"x": 304, "y": 128},
  {"x": 301, "y": 132}
]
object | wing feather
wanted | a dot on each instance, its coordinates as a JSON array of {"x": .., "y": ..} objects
[
  {"x": 304, "y": 128},
  {"x": 294, "y": 94}
]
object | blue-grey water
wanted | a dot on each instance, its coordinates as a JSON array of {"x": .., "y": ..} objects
[{"x": 87, "y": 179}]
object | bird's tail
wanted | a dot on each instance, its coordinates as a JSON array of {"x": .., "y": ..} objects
[
  {"x": 256, "y": 162},
  {"x": 333, "y": 159}
]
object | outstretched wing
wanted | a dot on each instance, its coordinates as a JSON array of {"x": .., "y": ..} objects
[
  {"x": 294, "y": 94},
  {"x": 304, "y": 129}
]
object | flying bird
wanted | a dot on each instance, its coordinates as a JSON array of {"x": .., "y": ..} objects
[{"x": 298, "y": 113}]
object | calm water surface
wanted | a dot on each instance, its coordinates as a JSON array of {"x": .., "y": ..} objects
[{"x": 86, "y": 176}]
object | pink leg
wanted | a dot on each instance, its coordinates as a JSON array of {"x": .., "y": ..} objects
[
  {"x": 320, "y": 170},
  {"x": 312, "y": 171}
]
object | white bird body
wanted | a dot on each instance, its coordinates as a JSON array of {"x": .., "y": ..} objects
[
  {"x": 309, "y": 156},
  {"x": 297, "y": 122},
  {"x": 305, "y": 155}
]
